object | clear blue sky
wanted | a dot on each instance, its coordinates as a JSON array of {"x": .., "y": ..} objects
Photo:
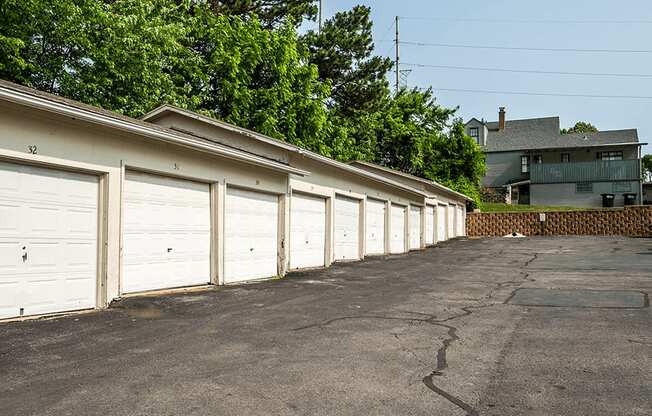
[{"x": 605, "y": 113}]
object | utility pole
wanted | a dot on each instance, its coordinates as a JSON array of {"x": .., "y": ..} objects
[
  {"x": 320, "y": 14},
  {"x": 397, "y": 61}
]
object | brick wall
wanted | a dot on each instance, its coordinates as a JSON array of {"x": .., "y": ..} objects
[{"x": 633, "y": 221}]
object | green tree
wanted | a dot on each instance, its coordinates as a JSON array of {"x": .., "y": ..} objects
[
  {"x": 343, "y": 53},
  {"x": 580, "y": 127},
  {"x": 271, "y": 12},
  {"x": 646, "y": 163},
  {"x": 422, "y": 138}
]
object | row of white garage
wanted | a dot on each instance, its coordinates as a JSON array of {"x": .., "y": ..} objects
[
  {"x": 49, "y": 234},
  {"x": 94, "y": 206}
]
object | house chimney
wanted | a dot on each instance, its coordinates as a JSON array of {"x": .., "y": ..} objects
[{"x": 501, "y": 118}]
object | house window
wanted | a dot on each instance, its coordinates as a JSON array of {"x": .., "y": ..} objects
[
  {"x": 474, "y": 133},
  {"x": 537, "y": 159},
  {"x": 583, "y": 187},
  {"x": 525, "y": 164},
  {"x": 611, "y": 155},
  {"x": 565, "y": 157}
]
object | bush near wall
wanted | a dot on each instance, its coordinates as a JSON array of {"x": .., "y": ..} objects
[
  {"x": 493, "y": 195},
  {"x": 635, "y": 221}
]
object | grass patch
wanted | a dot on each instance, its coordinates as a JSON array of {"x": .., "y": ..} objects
[{"x": 497, "y": 207}]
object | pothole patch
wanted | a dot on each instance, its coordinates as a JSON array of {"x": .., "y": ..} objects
[{"x": 580, "y": 298}]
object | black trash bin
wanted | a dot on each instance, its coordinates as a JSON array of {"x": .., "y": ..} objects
[
  {"x": 630, "y": 199},
  {"x": 608, "y": 200}
]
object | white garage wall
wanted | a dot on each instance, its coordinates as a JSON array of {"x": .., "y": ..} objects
[{"x": 70, "y": 143}]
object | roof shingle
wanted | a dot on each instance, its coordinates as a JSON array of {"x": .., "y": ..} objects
[{"x": 544, "y": 133}]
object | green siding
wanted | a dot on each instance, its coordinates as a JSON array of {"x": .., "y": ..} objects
[{"x": 598, "y": 170}]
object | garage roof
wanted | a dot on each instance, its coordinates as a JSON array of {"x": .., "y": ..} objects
[
  {"x": 159, "y": 111},
  {"x": 412, "y": 177},
  {"x": 30, "y": 97}
]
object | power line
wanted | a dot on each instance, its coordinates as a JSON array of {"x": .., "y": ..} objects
[
  {"x": 544, "y": 94},
  {"x": 529, "y": 21},
  {"x": 451, "y": 45},
  {"x": 527, "y": 71}
]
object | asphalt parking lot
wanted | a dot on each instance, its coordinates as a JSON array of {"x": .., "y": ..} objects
[{"x": 540, "y": 326}]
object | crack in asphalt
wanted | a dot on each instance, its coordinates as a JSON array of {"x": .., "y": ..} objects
[{"x": 431, "y": 319}]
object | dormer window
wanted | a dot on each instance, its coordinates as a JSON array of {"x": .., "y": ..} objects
[{"x": 475, "y": 134}]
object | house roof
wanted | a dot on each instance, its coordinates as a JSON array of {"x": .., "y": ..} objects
[
  {"x": 158, "y": 112},
  {"x": 544, "y": 133},
  {"x": 411, "y": 177},
  {"x": 55, "y": 104}
]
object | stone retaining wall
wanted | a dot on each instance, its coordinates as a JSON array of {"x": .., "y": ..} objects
[{"x": 635, "y": 221}]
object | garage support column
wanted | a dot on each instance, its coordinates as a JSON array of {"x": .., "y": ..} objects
[
  {"x": 219, "y": 197},
  {"x": 406, "y": 232},
  {"x": 330, "y": 230},
  {"x": 422, "y": 243},
  {"x": 283, "y": 233},
  {"x": 362, "y": 229},
  {"x": 388, "y": 227},
  {"x": 103, "y": 244}
]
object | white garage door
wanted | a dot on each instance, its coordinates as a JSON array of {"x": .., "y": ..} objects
[
  {"x": 415, "y": 228},
  {"x": 441, "y": 222},
  {"x": 460, "y": 221},
  {"x": 307, "y": 231},
  {"x": 450, "y": 221},
  {"x": 166, "y": 233},
  {"x": 375, "y": 224},
  {"x": 347, "y": 228},
  {"x": 48, "y": 240},
  {"x": 397, "y": 238},
  {"x": 430, "y": 225},
  {"x": 250, "y": 235}
]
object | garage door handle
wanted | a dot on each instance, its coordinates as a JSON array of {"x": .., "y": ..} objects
[
  {"x": 24, "y": 257},
  {"x": 251, "y": 249},
  {"x": 169, "y": 249}
]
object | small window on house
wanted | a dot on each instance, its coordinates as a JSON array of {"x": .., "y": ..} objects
[
  {"x": 611, "y": 155},
  {"x": 474, "y": 133},
  {"x": 525, "y": 164},
  {"x": 622, "y": 187},
  {"x": 565, "y": 157},
  {"x": 583, "y": 187},
  {"x": 538, "y": 159}
]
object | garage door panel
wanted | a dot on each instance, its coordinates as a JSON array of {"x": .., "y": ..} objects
[
  {"x": 251, "y": 235},
  {"x": 441, "y": 223},
  {"x": 375, "y": 227},
  {"x": 450, "y": 221},
  {"x": 430, "y": 225},
  {"x": 415, "y": 228},
  {"x": 166, "y": 238},
  {"x": 307, "y": 231},
  {"x": 347, "y": 228},
  {"x": 397, "y": 238},
  {"x": 52, "y": 214}
]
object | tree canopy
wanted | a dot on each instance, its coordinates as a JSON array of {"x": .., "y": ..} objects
[
  {"x": 646, "y": 162},
  {"x": 580, "y": 127},
  {"x": 244, "y": 62}
]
